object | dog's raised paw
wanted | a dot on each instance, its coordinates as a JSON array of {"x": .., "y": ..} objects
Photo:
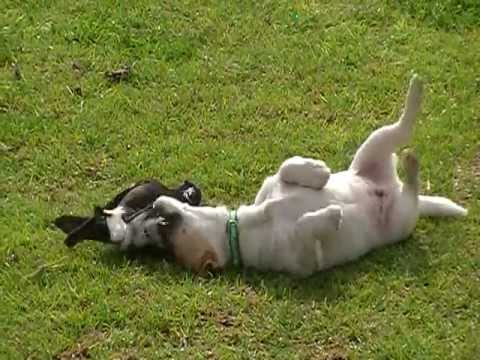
[{"x": 335, "y": 213}]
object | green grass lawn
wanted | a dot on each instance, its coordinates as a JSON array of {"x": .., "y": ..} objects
[{"x": 220, "y": 93}]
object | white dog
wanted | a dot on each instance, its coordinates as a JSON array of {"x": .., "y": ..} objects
[{"x": 305, "y": 219}]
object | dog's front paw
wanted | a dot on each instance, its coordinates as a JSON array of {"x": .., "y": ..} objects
[{"x": 335, "y": 215}]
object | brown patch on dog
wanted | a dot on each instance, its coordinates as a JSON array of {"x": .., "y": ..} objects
[
  {"x": 208, "y": 263},
  {"x": 195, "y": 253}
]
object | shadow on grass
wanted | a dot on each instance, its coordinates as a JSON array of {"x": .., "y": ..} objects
[
  {"x": 148, "y": 257},
  {"x": 402, "y": 261},
  {"x": 341, "y": 282}
]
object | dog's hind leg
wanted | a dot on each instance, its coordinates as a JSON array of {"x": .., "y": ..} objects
[
  {"x": 304, "y": 172},
  {"x": 374, "y": 158},
  {"x": 405, "y": 205}
]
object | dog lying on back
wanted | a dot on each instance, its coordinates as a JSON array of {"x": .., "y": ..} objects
[
  {"x": 306, "y": 219},
  {"x": 127, "y": 211}
]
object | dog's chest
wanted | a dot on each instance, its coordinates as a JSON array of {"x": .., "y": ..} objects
[{"x": 280, "y": 248}]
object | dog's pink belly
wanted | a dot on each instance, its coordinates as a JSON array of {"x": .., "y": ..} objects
[{"x": 380, "y": 205}]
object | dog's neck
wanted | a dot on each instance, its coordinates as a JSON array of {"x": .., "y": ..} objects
[{"x": 250, "y": 221}]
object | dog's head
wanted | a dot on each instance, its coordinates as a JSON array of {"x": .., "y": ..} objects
[{"x": 195, "y": 235}]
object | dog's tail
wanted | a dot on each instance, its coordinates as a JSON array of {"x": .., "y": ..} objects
[{"x": 439, "y": 206}]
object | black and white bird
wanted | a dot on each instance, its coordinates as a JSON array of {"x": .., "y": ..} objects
[{"x": 128, "y": 220}]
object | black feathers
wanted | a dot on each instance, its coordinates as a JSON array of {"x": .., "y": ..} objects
[{"x": 134, "y": 200}]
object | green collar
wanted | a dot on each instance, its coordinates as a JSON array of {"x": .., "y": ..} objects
[{"x": 233, "y": 238}]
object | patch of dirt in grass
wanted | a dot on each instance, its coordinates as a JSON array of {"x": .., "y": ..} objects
[
  {"x": 17, "y": 72},
  {"x": 476, "y": 166},
  {"x": 122, "y": 73},
  {"x": 329, "y": 354},
  {"x": 467, "y": 178},
  {"x": 335, "y": 354},
  {"x": 95, "y": 169},
  {"x": 10, "y": 149},
  {"x": 81, "y": 350},
  {"x": 251, "y": 297},
  {"x": 334, "y": 350},
  {"x": 79, "y": 67},
  {"x": 11, "y": 258},
  {"x": 122, "y": 356},
  {"x": 221, "y": 318},
  {"x": 224, "y": 319}
]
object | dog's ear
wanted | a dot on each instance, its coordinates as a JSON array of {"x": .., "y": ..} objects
[
  {"x": 208, "y": 264},
  {"x": 67, "y": 223}
]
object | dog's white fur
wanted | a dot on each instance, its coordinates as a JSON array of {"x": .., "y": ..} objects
[{"x": 306, "y": 219}]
